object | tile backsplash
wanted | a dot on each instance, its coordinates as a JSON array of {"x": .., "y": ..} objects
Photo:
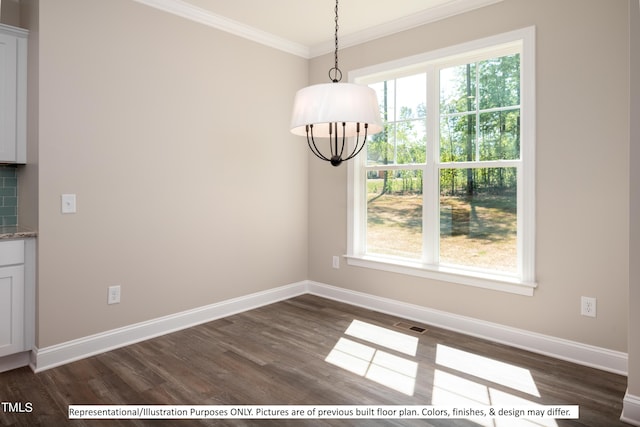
[{"x": 8, "y": 196}]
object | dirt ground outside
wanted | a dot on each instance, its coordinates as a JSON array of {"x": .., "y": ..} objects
[{"x": 480, "y": 231}]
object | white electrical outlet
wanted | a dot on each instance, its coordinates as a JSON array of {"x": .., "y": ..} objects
[
  {"x": 336, "y": 261},
  {"x": 114, "y": 295},
  {"x": 588, "y": 306}
]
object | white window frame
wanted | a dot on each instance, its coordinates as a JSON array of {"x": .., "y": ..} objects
[{"x": 523, "y": 282}]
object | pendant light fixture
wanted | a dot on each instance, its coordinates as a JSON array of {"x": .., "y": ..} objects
[{"x": 334, "y": 112}]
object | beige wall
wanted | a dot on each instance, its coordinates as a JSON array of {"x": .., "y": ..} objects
[
  {"x": 634, "y": 247},
  {"x": 28, "y": 174},
  {"x": 10, "y": 12},
  {"x": 582, "y": 173},
  {"x": 183, "y": 203},
  {"x": 174, "y": 136}
]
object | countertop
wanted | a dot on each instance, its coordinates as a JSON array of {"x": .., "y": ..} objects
[{"x": 16, "y": 232}]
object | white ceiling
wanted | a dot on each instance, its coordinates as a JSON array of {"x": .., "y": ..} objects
[{"x": 306, "y": 27}]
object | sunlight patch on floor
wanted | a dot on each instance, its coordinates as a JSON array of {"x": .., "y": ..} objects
[
  {"x": 390, "y": 370},
  {"x": 352, "y": 356},
  {"x": 384, "y": 337},
  {"x": 488, "y": 369},
  {"x": 472, "y": 380}
]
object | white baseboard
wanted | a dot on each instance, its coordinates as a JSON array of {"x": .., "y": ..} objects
[
  {"x": 583, "y": 354},
  {"x": 14, "y": 361},
  {"x": 60, "y": 354},
  {"x": 631, "y": 409}
]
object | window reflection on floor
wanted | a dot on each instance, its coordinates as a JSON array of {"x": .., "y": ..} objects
[
  {"x": 396, "y": 372},
  {"x": 488, "y": 369},
  {"x": 384, "y": 337},
  {"x": 460, "y": 378}
]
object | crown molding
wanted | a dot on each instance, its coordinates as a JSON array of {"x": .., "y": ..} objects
[
  {"x": 437, "y": 13},
  {"x": 202, "y": 16}
]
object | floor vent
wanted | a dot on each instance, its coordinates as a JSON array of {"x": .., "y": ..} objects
[{"x": 408, "y": 327}]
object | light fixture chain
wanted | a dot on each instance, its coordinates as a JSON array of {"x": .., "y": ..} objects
[
  {"x": 336, "y": 38},
  {"x": 335, "y": 74}
]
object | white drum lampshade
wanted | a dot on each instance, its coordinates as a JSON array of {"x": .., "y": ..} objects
[
  {"x": 348, "y": 103},
  {"x": 336, "y": 111}
]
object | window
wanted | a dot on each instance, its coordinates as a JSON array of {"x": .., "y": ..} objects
[{"x": 447, "y": 189}]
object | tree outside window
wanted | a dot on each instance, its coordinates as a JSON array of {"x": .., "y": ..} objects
[{"x": 440, "y": 187}]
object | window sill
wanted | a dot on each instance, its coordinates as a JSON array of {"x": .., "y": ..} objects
[{"x": 478, "y": 279}]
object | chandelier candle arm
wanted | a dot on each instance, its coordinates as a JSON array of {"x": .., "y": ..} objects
[{"x": 312, "y": 144}]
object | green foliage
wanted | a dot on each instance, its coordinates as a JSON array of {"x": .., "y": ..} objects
[
  {"x": 479, "y": 121},
  {"x": 454, "y": 182},
  {"x": 403, "y": 140},
  {"x": 400, "y": 182}
]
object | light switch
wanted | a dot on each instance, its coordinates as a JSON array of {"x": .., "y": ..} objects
[{"x": 68, "y": 203}]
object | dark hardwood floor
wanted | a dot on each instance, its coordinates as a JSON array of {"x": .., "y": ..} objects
[{"x": 278, "y": 354}]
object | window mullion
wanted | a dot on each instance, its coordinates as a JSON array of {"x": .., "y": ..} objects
[
  {"x": 477, "y": 95},
  {"x": 357, "y": 205},
  {"x": 395, "y": 119},
  {"x": 431, "y": 190}
]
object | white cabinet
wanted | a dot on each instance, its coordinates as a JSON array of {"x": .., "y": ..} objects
[
  {"x": 11, "y": 310},
  {"x": 15, "y": 297},
  {"x": 13, "y": 94}
]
